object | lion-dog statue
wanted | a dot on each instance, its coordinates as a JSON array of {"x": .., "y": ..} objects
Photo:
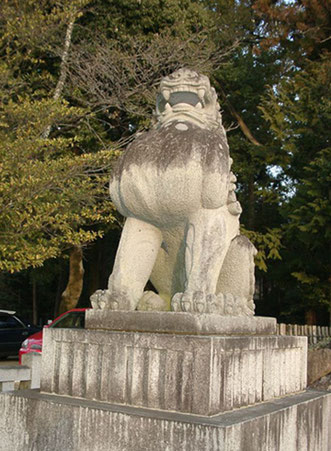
[{"x": 175, "y": 187}]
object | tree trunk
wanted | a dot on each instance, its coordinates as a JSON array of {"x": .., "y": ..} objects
[
  {"x": 63, "y": 70},
  {"x": 243, "y": 126},
  {"x": 310, "y": 317},
  {"x": 71, "y": 294}
]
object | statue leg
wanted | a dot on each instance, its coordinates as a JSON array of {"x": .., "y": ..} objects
[
  {"x": 236, "y": 281},
  {"x": 135, "y": 258},
  {"x": 208, "y": 237}
]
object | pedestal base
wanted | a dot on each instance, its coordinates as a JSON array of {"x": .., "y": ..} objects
[
  {"x": 203, "y": 375},
  {"x": 30, "y": 420}
]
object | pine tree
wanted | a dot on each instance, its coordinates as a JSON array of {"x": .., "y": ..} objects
[{"x": 298, "y": 110}]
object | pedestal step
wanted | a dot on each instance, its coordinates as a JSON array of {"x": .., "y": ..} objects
[
  {"x": 204, "y": 375},
  {"x": 179, "y": 323},
  {"x": 33, "y": 421}
]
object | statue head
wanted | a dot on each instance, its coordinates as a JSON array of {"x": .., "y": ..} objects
[{"x": 187, "y": 95}]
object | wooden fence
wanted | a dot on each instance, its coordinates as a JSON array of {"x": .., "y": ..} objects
[{"x": 314, "y": 333}]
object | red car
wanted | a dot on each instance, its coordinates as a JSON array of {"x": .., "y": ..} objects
[{"x": 73, "y": 319}]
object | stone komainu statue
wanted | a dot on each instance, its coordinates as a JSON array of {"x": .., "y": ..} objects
[{"x": 175, "y": 186}]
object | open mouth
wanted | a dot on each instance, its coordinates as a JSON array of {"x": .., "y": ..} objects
[{"x": 180, "y": 100}]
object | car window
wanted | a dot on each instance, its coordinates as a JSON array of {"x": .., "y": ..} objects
[
  {"x": 9, "y": 322},
  {"x": 75, "y": 320}
]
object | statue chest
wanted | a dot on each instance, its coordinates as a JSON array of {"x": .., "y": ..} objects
[{"x": 162, "y": 176}]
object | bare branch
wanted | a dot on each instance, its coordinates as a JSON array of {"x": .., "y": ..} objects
[
  {"x": 244, "y": 128},
  {"x": 124, "y": 75}
]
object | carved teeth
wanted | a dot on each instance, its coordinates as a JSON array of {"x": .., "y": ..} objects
[
  {"x": 167, "y": 107},
  {"x": 201, "y": 94},
  {"x": 166, "y": 94},
  {"x": 198, "y": 105}
]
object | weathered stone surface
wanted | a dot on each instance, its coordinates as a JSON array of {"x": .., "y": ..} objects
[
  {"x": 14, "y": 373},
  {"x": 178, "y": 323},
  {"x": 185, "y": 373},
  {"x": 10, "y": 376},
  {"x": 319, "y": 364},
  {"x": 175, "y": 186},
  {"x": 33, "y": 421},
  {"x": 33, "y": 361}
]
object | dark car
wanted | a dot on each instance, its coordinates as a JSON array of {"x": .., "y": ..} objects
[{"x": 13, "y": 330}]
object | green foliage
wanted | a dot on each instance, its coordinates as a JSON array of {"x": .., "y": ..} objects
[
  {"x": 52, "y": 191},
  {"x": 299, "y": 112},
  {"x": 50, "y": 194},
  {"x": 268, "y": 245}
]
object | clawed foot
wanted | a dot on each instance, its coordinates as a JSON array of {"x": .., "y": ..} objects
[
  {"x": 195, "y": 301},
  {"x": 105, "y": 300},
  {"x": 222, "y": 304},
  {"x": 102, "y": 300}
]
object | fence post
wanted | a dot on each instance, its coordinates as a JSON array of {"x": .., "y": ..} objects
[{"x": 313, "y": 332}]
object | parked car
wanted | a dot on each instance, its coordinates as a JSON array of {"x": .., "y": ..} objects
[
  {"x": 13, "y": 330},
  {"x": 73, "y": 319}
]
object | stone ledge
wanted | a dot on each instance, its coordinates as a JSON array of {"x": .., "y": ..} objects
[
  {"x": 292, "y": 423},
  {"x": 14, "y": 373},
  {"x": 181, "y": 323}
]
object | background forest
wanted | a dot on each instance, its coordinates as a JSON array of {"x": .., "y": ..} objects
[{"x": 77, "y": 83}]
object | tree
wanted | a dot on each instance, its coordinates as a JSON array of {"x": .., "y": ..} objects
[
  {"x": 298, "y": 110},
  {"x": 124, "y": 51},
  {"x": 53, "y": 195},
  {"x": 241, "y": 83}
]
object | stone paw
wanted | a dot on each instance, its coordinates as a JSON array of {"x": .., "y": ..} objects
[
  {"x": 151, "y": 301},
  {"x": 99, "y": 299},
  {"x": 106, "y": 300},
  {"x": 250, "y": 307},
  {"x": 190, "y": 301},
  {"x": 175, "y": 302},
  {"x": 225, "y": 304},
  {"x": 232, "y": 305}
]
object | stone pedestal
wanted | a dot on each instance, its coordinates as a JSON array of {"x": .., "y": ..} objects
[
  {"x": 41, "y": 422},
  {"x": 169, "y": 382},
  {"x": 202, "y": 375}
]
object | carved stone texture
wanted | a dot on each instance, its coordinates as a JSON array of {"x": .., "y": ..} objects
[
  {"x": 178, "y": 323},
  {"x": 202, "y": 375},
  {"x": 175, "y": 186},
  {"x": 31, "y": 420}
]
